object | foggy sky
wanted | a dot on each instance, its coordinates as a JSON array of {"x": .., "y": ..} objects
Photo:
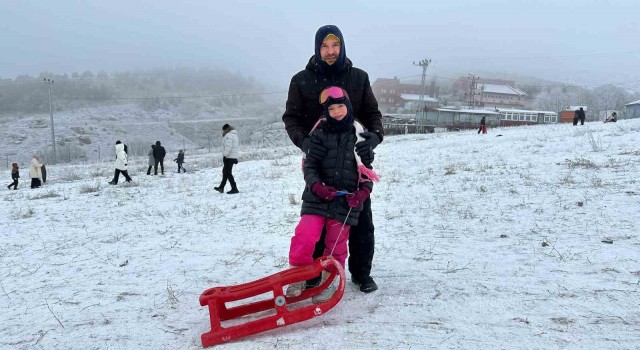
[{"x": 578, "y": 41}]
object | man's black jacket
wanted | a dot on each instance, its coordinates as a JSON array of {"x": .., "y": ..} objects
[{"x": 303, "y": 106}]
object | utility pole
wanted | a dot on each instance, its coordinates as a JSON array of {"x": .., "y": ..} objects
[
  {"x": 473, "y": 86},
  {"x": 420, "y": 117},
  {"x": 49, "y": 83},
  {"x": 424, "y": 64}
]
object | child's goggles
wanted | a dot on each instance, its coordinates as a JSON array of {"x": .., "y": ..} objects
[{"x": 334, "y": 92}]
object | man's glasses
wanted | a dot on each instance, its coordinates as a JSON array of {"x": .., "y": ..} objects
[{"x": 334, "y": 92}]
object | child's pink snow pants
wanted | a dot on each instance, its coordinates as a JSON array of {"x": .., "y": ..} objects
[{"x": 308, "y": 233}]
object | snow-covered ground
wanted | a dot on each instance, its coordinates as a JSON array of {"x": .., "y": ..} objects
[{"x": 523, "y": 238}]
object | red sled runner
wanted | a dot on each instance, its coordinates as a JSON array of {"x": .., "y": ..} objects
[{"x": 286, "y": 312}]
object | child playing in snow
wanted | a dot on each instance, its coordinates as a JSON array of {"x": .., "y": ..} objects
[
  {"x": 180, "y": 160},
  {"x": 327, "y": 173},
  {"x": 15, "y": 175},
  {"x": 612, "y": 118}
]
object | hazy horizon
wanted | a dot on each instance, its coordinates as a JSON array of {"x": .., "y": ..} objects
[{"x": 580, "y": 42}]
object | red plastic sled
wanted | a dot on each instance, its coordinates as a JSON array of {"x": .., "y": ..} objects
[{"x": 285, "y": 314}]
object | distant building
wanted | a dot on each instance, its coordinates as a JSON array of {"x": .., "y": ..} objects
[
  {"x": 633, "y": 110},
  {"x": 455, "y": 119},
  {"x": 463, "y": 84},
  {"x": 389, "y": 93},
  {"x": 500, "y": 96},
  {"x": 489, "y": 93},
  {"x": 513, "y": 117},
  {"x": 411, "y": 101}
]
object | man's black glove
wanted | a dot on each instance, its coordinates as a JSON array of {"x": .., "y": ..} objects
[
  {"x": 365, "y": 148},
  {"x": 313, "y": 149}
]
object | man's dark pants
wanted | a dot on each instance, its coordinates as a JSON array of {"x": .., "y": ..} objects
[
  {"x": 226, "y": 173},
  {"x": 155, "y": 167},
  {"x": 116, "y": 175},
  {"x": 361, "y": 244}
]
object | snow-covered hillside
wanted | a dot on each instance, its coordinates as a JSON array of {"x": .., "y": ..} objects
[
  {"x": 523, "y": 238},
  {"x": 88, "y": 134}
]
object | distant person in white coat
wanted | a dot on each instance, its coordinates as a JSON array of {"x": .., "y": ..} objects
[
  {"x": 152, "y": 160},
  {"x": 35, "y": 172},
  {"x": 229, "y": 158},
  {"x": 121, "y": 164}
]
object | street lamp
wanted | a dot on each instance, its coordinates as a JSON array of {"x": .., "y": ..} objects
[{"x": 49, "y": 83}]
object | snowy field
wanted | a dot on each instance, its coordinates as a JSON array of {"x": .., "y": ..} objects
[{"x": 528, "y": 240}]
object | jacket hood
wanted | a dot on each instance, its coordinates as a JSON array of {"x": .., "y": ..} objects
[
  {"x": 120, "y": 147},
  {"x": 157, "y": 143},
  {"x": 346, "y": 122},
  {"x": 229, "y": 130},
  {"x": 341, "y": 62}
]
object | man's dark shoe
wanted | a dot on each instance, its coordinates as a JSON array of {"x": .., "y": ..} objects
[
  {"x": 218, "y": 189},
  {"x": 233, "y": 191},
  {"x": 367, "y": 284}
]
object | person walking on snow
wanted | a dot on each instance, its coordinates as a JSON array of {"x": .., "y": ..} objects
[
  {"x": 330, "y": 66},
  {"x": 158, "y": 157},
  {"x": 229, "y": 158},
  {"x": 483, "y": 125},
  {"x": 15, "y": 175},
  {"x": 581, "y": 116},
  {"x": 121, "y": 164},
  {"x": 180, "y": 161},
  {"x": 35, "y": 172},
  {"x": 152, "y": 160},
  {"x": 336, "y": 168}
]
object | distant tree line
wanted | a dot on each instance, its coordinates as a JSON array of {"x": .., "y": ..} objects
[
  {"x": 601, "y": 98},
  {"x": 151, "y": 89}
]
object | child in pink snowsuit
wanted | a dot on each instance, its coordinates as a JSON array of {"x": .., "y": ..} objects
[{"x": 335, "y": 168}]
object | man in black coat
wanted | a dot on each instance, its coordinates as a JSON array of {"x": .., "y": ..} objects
[
  {"x": 329, "y": 66},
  {"x": 158, "y": 155},
  {"x": 581, "y": 115}
]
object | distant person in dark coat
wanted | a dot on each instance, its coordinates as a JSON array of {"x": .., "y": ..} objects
[
  {"x": 483, "y": 125},
  {"x": 15, "y": 175},
  {"x": 152, "y": 160},
  {"x": 580, "y": 115},
  {"x": 180, "y": 161},
  {"x": 158, "y": 156}
]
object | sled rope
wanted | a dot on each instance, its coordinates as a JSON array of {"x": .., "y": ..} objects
[{"x": 341, "y": 228}]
